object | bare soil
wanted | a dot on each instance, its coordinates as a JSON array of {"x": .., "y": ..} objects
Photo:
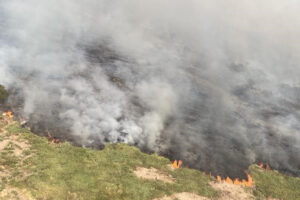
[
  {"x": 183, "y": 196},
  {"x": 232, "y": 192},
  {"x": 153, "y": 174},
  {"x": 17, "y": 146}
]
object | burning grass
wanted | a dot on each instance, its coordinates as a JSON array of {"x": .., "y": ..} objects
[
  {"x": 176, "y": 164},
  {"x": 249, "y": 182}
]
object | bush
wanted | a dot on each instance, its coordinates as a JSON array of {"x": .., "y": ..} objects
[{"x": 3, "y": 94}]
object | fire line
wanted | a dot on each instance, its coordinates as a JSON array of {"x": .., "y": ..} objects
[
  {"x": 248, "y": 183},
  {"x": 9, "y": 114},
  {"x": 177, "y": 164}
]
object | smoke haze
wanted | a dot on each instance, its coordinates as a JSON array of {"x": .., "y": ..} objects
[{"x": 214, "y": 83}]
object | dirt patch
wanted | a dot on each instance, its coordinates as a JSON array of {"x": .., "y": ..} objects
[
  {"x": 13, "y": 141},
  {"x": 20, "y": 147},
  {"x": 15, "y": 145},
  {"x": 228, "y": 192},
  {"x": 183, "y": 196},
  {"x": 153, "y": 174},
  {"x": 3, "y": 144},
  {"x": 15, "y": 193},
  {"x": 232, "y": 192}
]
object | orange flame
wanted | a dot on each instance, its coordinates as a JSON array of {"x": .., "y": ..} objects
[
  {"x": 268, "y": 168},
  {"x": 53, "y": 140},
  {"x": 229, "y": 180},
  {"x": 249, "y": 182},
  {"x": 9, "y": 114},
  {"x": 177, "y": 164},
  {"x": 237, "y": 182}
]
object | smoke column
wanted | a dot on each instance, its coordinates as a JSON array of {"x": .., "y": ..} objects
[{"x": 214, "y": 83}]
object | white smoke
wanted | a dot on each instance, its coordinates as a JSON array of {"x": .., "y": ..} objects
[{"x": 205, "y": 79}]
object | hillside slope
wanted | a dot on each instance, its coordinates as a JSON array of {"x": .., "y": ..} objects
[{"x": 33, "y": 168}]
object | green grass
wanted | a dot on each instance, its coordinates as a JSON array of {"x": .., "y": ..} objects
[
  {"x": 66, "y": 172},
  {"x": 275, "y": 185},
  {"x": 7, "y": 159},
  {"x": 3, "y": 94}
]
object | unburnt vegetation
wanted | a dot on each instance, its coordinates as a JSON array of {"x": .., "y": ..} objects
[
  {"x": 272, "y": 184},
  {"x": 3, "y": 94},
  {"x": 33, "y": 168}
]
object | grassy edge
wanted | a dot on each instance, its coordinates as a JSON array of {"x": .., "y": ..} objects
[{"x": 70, "y": 172}]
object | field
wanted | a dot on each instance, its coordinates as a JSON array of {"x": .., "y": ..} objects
[{"x": 31, "y": 167}]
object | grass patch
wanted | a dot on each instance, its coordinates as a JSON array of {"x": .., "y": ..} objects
[
  {"x": 8, "y": 159},
  {"x": 15, "y": 129},
  {"x": 3, "y": 94},
  {"x": 3, "y": 183},
  {"x": 67, "y": 172},
  {"x": 271, "y": 184}
]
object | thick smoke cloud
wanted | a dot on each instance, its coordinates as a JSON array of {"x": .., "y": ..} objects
[{"x": 214, "y": 83}]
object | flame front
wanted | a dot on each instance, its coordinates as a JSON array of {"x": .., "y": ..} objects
[
  {"x": 268, "y": 168},
  {"x": 9, "y": 114},
  {"x": 53, "y": 140},
  {"x": 177, "y": 164},
  {"x": 249, "y": 182}
]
